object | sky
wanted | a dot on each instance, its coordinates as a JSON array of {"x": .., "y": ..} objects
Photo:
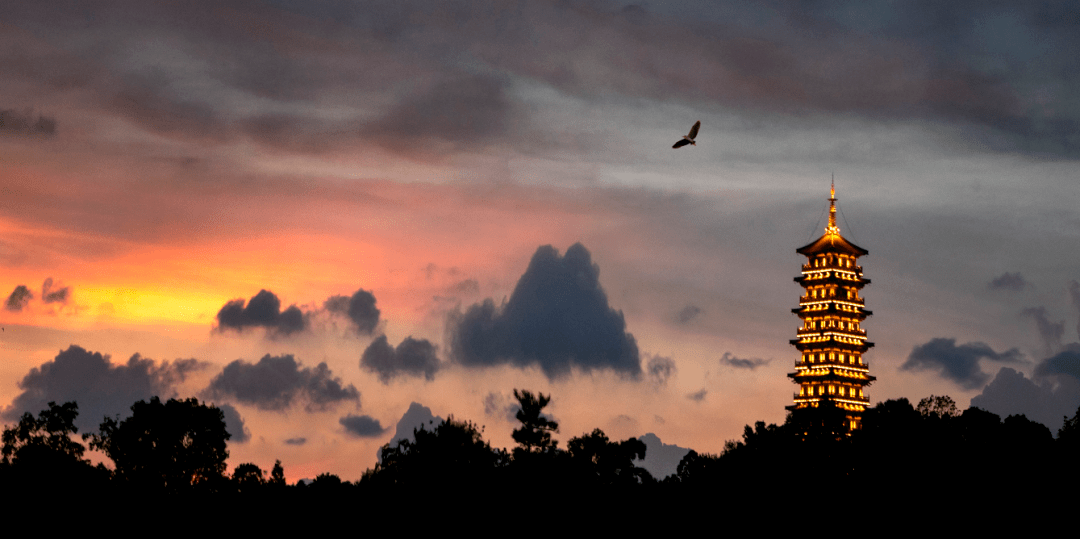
[{"x": 339, "y": 220}]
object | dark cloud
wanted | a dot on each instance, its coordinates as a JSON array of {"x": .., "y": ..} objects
[
  {"x": 557, "y": 318},
  {"x": 1008, "y": 281},
  {"x": 468, "y": 287},
  {"x": 359, "y": 308},
  {"x": 263, "y": 310},
  {"x": 1065, "y": 362},
  {"x": 660, "y": 369},
  {"x": 276, "y": 382},
  {"x": 698, "y": 396},
  {"x": 661, "y": 460},
  {"x": 464, "y": 110},
  {"x": 362, "y": 426},
  {"x": 1074, "y": 296},
  {"x": 18, "y": 299},
  {"x": 23, "y": 123},
  {"x": 688, "y": 313},
  {"x": 1011, "y": 393},
  {"x": 739, "y": 363},
  {"x": 957, "y": 363},
  {"x": 1050, "y": 332},
  {"x": 54, "y": 295},
  {"x": 412, "y": 357},
  {"x": 234, "y": 424},
  {"x": 296, "y": 441},
  {"x": 500, "y": 406},
  {"x": 99, "y": 387},
  {"x": 1000, "y": 71}
]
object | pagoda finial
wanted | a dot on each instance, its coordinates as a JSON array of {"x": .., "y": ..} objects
[{"x": 832, "y": 228}]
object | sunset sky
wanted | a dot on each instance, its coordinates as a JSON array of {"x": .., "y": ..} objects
[{"x": 444, "y": 201}]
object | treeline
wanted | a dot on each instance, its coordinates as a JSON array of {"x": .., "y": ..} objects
[{"x": 179, "y": 446}]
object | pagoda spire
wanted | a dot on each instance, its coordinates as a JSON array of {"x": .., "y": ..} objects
[{"x": 832, "y": 229}]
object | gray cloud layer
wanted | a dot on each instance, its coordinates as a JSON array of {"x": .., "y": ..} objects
[
  {"x": 276, "y": 382},
  {"x": 557, "y": 318},
  {"x": 978, "y": 65},
  {"x": 23, "y": 123},
  {"x": 1050, "y": 332},
  {"x": 957, "y": 363},
  {"x": 99, "y": 387}
]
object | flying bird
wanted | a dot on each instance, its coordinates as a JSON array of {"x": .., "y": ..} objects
[{"x": 689, "y": 139}]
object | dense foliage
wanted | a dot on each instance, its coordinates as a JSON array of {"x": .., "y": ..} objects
[{"x": 179, "y": 446}]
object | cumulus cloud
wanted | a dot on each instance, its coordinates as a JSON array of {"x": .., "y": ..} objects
[
  {"x": 660, "y": 369},
  {"x": 49, "y": 294},
  {"x": 1050, "y": 332},
  {"x": 23, "y": 123},
  {"x": 296, "y": 441},
  {"x": 18, "y": 299},
  {"x": 957, "y": 363},
  {"x": 99, "y": 387},
  {"x": 557, "y": 318},
  {"x": 359, "y": 309},
  {"x": 415, "y": 417},
  {"x": 740, "y": 363},
  {"x": 362, "y": 426},
  {"x": 263, "y": 310},
  {"x": 276, "y": 382},
  {"x": 661, "y": 460},
  {"x": 1008, "y": 281},
  {"x": 1011, "y": 393},
  {"x": 412, "y": 357},
  {"x": 234, "y": 424}
]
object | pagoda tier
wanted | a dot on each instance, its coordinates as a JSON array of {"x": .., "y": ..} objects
[{"x": 831, "y": 339}]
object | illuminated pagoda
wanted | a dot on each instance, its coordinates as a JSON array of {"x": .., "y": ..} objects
[{"x": 831, "y": 339}]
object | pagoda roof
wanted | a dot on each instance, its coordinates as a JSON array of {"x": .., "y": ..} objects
[{"x": 831, "y": 243}]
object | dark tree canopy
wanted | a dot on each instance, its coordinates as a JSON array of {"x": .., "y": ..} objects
[
  {"x": 453, "y": 452},
  {"x": 170, "y": 446},
  {"x": 50, "y": 433},
  {"x": 601, "y": 461}
]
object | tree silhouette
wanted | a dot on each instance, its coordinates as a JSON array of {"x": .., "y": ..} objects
[
  {"x": 940, "y": 407},
  {"x": 42, "y": 451},
  {"x": 172, "y": 446},
  {"x": 277, "y": 475},
  {"x": 600, "y": 461},
  {"x": 248, "y": 478},
  {"x": 534, "y": 435},
  {"x": 48, "y": 435},
  {"x": 453, "y": 453}
]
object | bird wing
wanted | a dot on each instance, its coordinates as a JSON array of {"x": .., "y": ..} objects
[
  {"x": 681, "y": 143},
  {"x": 694, "y": 130}
]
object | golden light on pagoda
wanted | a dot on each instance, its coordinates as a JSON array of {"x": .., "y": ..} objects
[{"x": 831, "y": 340}]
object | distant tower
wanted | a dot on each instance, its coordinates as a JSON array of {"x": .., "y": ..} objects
[{"x": 831, "y": 340}]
